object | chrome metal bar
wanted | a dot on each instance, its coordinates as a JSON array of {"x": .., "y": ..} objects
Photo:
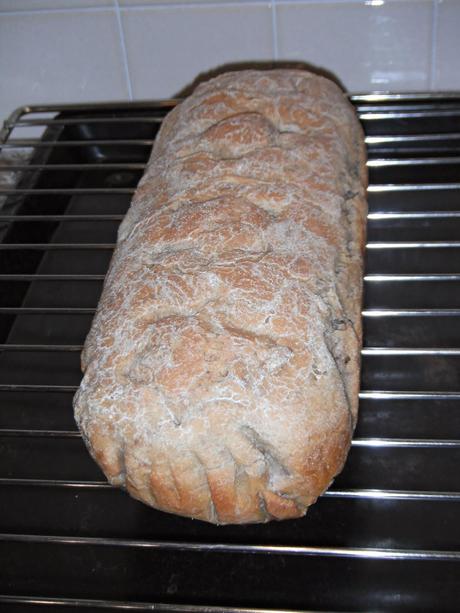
[
  {"x": 403, "y": 442},
  {"x": 24, "y": 347},
  {"x": 411, "y": 138},
  {"x": 376, "y": 278},
  {"x": 375, "y": 163},
  {"x": 392, "y": 494},
  {"x": 345, "y": 552},
  {"x": 84, "y": 246},
  {"x": 378, "y": 313},
  {"x": 68, "y": 190},
  {"x": 379, "y": 116},
  {"x": 415, "y": 245},
  {"x": 46, "y": 311},
  {"x": 54, "y": 246},
  {"x": 19, "y": 387},
  {"x": 330, "y": 493},
  {"x": 434, "y": 149},
  {"x": 55, "y": 483},
  {"x": 64, "y": 217},
  {"x": 6, "y": 129},
  {"x": 409, "y": 216},
  {"x": 413, "y": 162},
  {"x": 18, "y": 432},
  {"x": 371, "y": 313},
  {"x": 56, "y": 277},
  {"x": 380, "y": 97},
  {"x": 417, "y": 106},
  {"x": 372, "y": 114},
  {"x": 416, "y": 97},
  {"x": 72, "y": 121},
  {"x": 53, "y": 167},
  {"x": 363, "y": 395},
  {"x": 358, "y": 442},
  {"x": 90, "y": 603},
  {"x": 408, "y": 351},
  {"x": 30, "y": 142},
  {"x": 409, "y": 313},
  {"x": 100, "y": 106},
  {"x": 395, "y": 395},
  {"x": 410, "y": 187},
  {"x": 367, "y": 351}
]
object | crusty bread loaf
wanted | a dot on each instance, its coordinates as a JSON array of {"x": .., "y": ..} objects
[{"x": 222, "y": 367}]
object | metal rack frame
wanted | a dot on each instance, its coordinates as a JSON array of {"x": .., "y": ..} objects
[{"x": 372, "y": 108}]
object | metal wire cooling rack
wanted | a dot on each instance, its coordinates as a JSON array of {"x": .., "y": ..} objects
[{"x": 386, "y": 536}]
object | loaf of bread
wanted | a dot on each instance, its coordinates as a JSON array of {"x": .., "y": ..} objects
[{"x": 222, "y": 367}]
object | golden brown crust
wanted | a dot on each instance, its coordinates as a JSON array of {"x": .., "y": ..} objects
[{"x": 222, "y": 367}]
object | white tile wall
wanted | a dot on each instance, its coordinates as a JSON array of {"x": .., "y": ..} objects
[
  {"x": 76, "y": 50},
  {"x": 60, "y": 56},
  {"x": 137, "y": 3},
  {"x": 37, "y": 5},
  {"x": 168, "y": 47},
  {"x": 446, "y": 73},
  {"x": 369, "y": 46}
]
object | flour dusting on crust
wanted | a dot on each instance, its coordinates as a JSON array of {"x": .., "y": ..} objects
[{"x": 222, "y": 367}]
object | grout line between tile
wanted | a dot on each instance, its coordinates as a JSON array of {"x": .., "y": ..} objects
[
  {"x": 434, "y": 43},
  {"x": 70, "y": 9},
  {"x": 216, "y": 3},
  {"x": 281, "y": 2},
  {"x": 124, "y": 51},
  {"x": 274, "y": 31},
  {"x": 194, "y": 5},
  {"x": 165, "y": 5},
  {"x": 176, "y": 4}
]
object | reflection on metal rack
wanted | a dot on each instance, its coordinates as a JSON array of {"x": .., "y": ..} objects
[{"x": 397, "y": 498}]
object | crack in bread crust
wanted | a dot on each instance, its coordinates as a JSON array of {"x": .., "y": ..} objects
[{"x": 222, "y": 366}]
